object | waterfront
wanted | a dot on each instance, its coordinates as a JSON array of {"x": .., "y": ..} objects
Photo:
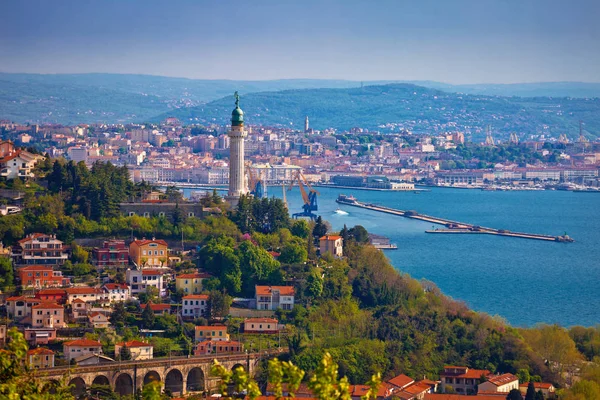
[{"x": 524, "y": 281}]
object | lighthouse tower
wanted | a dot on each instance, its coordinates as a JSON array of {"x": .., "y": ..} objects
[{"x": 237, "y": 184}]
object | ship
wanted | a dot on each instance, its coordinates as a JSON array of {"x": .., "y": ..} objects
[{"x": 343, "y": 199}]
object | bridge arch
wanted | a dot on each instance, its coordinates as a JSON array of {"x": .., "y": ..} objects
[
  {"x": 238, "y": 365},
  {"x": 124, "y": 384},
  {"x": 151, "y": 376},
  {"x": 195, "y": 380},
  {"x": 174, "y": 381},
  {"x": 77, "y": 386},
  {"x": 101, "y": 380},
  {"x": 51, "y": 386}
]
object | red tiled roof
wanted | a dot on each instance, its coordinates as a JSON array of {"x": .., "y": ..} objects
[
  {"x": 401, "y": 381},
  {"x": 196, "y": 297},
  {"x": 95, "y": 314},
  {"x": 261, "y": 320},
  {"x": 196, "y": 275},
  {"x": 51, "y": 291},
  {"x": 503, "y": 379},
  {"x": 44, "y": 306},
  {"x": 83, "y": 343},
  {"x": 211, "y": 328},
  {"x": 83, "y": 290},
  {"x": 437, "y": 396},
  {"x": 36, "y": 268},
  {"x": 537, "y": 385},
  {"x": 467, "y": 373},
  {"x": 268, "y": 290},
  {"x": 113, "y": 286},
  {"x": 16, "y": 298},
  {"x": 330, "y": 237},
  {"x": 32, "y": 236},
  {"x": 157, "y": 307},
  {"x": 148, "y": 241},
  {"x": 134, "y": 343},
  {"x": 78, "y": 301},
  {"x": 40, "y": 351},
  {"x": 152, "y": 272}
]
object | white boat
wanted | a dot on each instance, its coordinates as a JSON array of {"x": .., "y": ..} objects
[{"x": 340, "y": 211}]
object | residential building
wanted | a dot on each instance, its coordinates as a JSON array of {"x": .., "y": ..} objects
[
  {"x": 97, "y": 320},
  {"x": 39, "y": 249},
  {"x": 81, "y": 347},
  {"x": 332, "y": 244},
  {"x": 215, "y": 333},
  {"x": 41, "y": 276},
  {"x": 274, "y": 297},
  {"x": 499, "y": 383},
  {"x": 47, "y": 315},
  {"x": 190, "y": 283},
  {"x": 19, "y": 307},
  {"x": 93, "y": 359},
  {"x": 40, "y": 357},
  {"x": 548, "y": 389},
  {"x": 218, "y": 347},
  {"x": 37, "y": 336},
  {"x": 112, "y": 252},
  {"x": 463, "y": 380},
  {"x": 79, "y": 309},
  {"x": 194, "y": 305},
  {"x": 149, "y": 253},
  {"x": 139, "y": 280},
  {"x": 139, "y": 350},
  {"x": 261, "y": 325},
  {"x": 401, "y": 381},
  {"x": 52, "y": 295},
  {"x": 87, "y": 294},
  {"x": 18, "y": 164},
  {"x": 114, "y": 292},
  {"x": 159, "y": 309}
]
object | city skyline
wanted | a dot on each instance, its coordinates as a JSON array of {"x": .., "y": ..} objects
[{"x": 461, "y": 42}]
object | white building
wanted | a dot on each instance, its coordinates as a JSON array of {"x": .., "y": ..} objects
[
  {"x": 18, "y": 164},
  {"x": 332, "y": 244},
  {"x": 194, "y": 305},
  {"x": 237, "y": 134},
  {"x": 81, "y": 347},
  {"x": 140, "y": 280},
  {"x": 274, "y": 297},
  {"x": 139, "y": 350},
  {"x": 116, "y": 292},
  {"x": 499, "y": 383},
  {"x": 78, "y": 154}
]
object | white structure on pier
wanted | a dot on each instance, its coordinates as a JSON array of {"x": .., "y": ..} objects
[{"x": 237, "y": 181}]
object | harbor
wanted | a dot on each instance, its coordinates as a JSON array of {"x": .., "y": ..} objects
[{"x": 451, "y": 227}]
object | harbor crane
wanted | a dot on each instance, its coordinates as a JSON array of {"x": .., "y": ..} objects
[
  {"x": 256, "y": 183},
  {"x": 310, "y": 198}
]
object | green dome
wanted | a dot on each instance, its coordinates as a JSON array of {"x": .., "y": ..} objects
[{"x": 237, "y": 115}]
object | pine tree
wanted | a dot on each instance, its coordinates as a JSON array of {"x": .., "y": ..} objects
[
  {"x": 148, "y": 316},
  {"x": 530, "y": 391}
]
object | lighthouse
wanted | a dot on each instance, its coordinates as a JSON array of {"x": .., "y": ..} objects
[{"x": 237, "y": 185}]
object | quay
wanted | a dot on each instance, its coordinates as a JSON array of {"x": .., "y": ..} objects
[{"x": 452, "y": 227}]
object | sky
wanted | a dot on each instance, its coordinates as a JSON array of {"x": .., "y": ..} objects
[{"x": 452, "y": 41}]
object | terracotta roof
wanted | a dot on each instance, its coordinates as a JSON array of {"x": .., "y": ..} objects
[
  {"x": 537, "y": 385},
  {"x": 196, "y": 275},
  {"x": 78, "y": 300},
  {"x": 211, "y": 328},
  {"x": 196, "y": 297},
  {"x": 268, "y": 290},
  {"x": 47, "y": 306},
  {"x": 134, "y": 343},
  {"x": 51, "y": 291},
  {"x": 36, "y": 268},
  {"x": 95, "y": 314},
  {"x": 32, "y": 236},
  {"x": 83, "y": 343},
  {"x": 83, "y": 290},
  {"x": 39, "y": 351},
  {"x": 152, "y": 272},
  {"x": 417, "y": 388},
  {"x": 503, "y": 379},
  {"x": 436, "y": 396},
  {"x": 16, "y": 298},
  {"x": 261, "y": 320},
  {"x": 401, "y": 381},
  {"x": 466, "y": 373},
  {"x": 147, "y": 241},
  {"x": 157, "y": 307},
  {"x": 113, "y": 286},
  {"x": 330, "y": 237}
]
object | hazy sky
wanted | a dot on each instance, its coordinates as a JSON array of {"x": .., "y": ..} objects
[{"x": 462, "y": 41}]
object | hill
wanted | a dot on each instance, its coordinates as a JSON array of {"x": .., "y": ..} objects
[
  {"x": 408, "y": 106},
  {"x": 88, "y": 98}
]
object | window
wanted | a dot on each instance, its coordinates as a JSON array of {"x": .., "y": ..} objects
[
  {"x": 146, "y": 214},
  {"x": 161, "y": 214},
  {"x": 191, "y": 214},
  {"x": 131, "y": 213}
]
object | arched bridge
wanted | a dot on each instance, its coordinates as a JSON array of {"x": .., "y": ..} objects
[{"x": 178, "y": 375}]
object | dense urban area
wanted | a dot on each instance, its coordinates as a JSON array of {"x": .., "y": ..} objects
[{"x": 115, "y": 285}]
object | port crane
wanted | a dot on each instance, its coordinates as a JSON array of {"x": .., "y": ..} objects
[
  {"x": 310, "y": 198},
  {"x": 256, "y": 183}
]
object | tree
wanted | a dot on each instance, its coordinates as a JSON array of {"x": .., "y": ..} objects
[
  {"x": 314, "y": 285},
  {"x": 539, "y": 395},
  {"x": 79, "y": 254},
  {"x": 359, "y": 233},
  {"x": 218, "y": 304},
  {"x": 530, "y": 395},
  {"x": 320, "y": 228},
  {"x": 119, "y": 314},
  {"x": 293, "y": 253},
  {"x": 523, "y": 375},
  {"x": 148, "y": 316},
  {"x": 6, "y": 273},
  {"x": 300, "y": 228},
  {"x": 514, "y": 394},
  {"x": 125, "y": 353},
  {"x": 119, "y": 277}
]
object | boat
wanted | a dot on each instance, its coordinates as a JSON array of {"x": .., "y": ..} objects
[
  {"x": 342, "y": 198},
  {"x": 339, "y": 211},
  {"x": 587, "y": 190}
]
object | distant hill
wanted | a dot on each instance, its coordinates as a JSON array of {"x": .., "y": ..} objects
[
  {"x": 113, "y": 98},
  {"x": 414, "y": 107}
]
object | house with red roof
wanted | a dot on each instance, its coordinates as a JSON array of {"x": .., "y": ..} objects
[
  {"x": 463, "y": 380},
  {"x": 503, "y": 383},
  {"x": 87, "y": 294},
  {"x": 114, "y": 292},
  {"x": 139, "y": 280},
  {"x": 218, "y": 347},
  {"x": 548, "y": 389},
  {"x": 58, "y": 296},
  {"x": 98, "y": 320},
  {"x": 18, "y": 164},
  {"x": 40, "y": 357},
  {"x": 139, "y": 350},
  {"x": 213, "y": 332},
  {"x": 274, "y": 297},
  {"x": 191, "y": 283},
  {"x": 149, "y": 253},
  {"x": 81, "y": 347},
  {"x": 19, "y": 307},
  {"x": 401, "y": 381},
  {"x": 261, "y": 325},
  {"x": 47, "y": 315},
  {"x": 39, "y": 249},
  {"x": 159, "y": 309},
  {"x": 41, "y": 276},
  {"x": 112, "y": 253},
  {"x": 332, "y": 244}
]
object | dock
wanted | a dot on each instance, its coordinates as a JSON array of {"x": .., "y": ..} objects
[{"x": 451, "y": 227}]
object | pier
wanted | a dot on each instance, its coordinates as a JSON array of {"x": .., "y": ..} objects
[{"x": 451, "y": 227}]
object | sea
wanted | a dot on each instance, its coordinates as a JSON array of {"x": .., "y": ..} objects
[{"x": 524, "y": 281}]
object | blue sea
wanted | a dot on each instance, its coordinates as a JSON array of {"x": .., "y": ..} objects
[{"x": 524, "y": 281}]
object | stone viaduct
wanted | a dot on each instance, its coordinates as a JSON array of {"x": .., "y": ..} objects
[{"x": 179, "y": 375}]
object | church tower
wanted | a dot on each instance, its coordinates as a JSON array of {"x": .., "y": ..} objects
[
  {"x": 306, "y": 126},
  {"x": 237, "y": 184}
]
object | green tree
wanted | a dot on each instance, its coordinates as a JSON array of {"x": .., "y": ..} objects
[
  {"x": 320, "y": 228},
  {"x": 359, "y": 233},
  {"x": 125, "y": 353},
  {"x": 293, "y": 253},
  {"x": 218, "y": 305},
  {"x": 119, "y": 314},
  {"x": 514, "y": 394},
  {"x": 314, "y": 285},
  {"x": 148, "y": 316},
  {"x": 523, "y": 375},
  {"x": 6, "y": 273},
  {"x": 530, "y": 395},
  {"x": 79, "y": 254},
  {"x": 300, "y": 228}
]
